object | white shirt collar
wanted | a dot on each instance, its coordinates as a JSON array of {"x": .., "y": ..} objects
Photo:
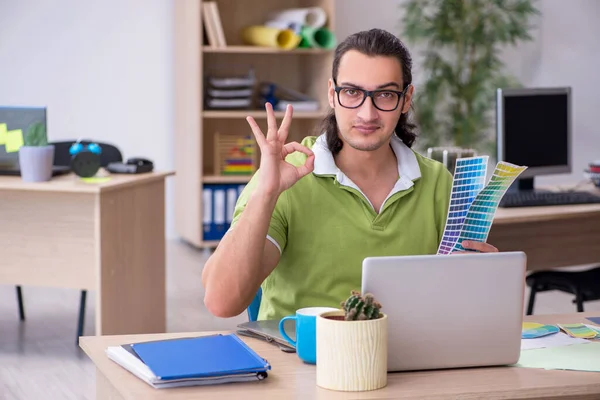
[{"x": 408, "y": 166}]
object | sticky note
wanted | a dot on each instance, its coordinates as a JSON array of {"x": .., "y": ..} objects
[
  {"x": 96, "y": 179},
  {"x": 3, "y": 131},
  {"x": 14, "y": 140}
]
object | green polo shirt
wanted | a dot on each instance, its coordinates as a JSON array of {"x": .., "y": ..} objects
[{"x": 324, "y": 227}]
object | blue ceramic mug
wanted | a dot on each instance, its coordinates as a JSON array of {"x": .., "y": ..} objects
[{"x": 306, "y": 332}]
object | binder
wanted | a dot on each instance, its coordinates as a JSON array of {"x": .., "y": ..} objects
[
  {"x": 218, "y": 206},
  {"x": 204, "y": 360}
]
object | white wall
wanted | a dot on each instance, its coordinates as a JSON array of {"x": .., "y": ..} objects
[{"x": 104, "y": 68}]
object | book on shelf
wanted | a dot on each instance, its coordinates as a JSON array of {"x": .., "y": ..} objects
[
  {"x": 191, "y": 361},
  {"x": 230, "y": 92},
  {"x": 211, "y": 19}
]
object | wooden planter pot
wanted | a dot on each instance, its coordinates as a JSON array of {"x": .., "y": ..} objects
[{"x": 351, "y": 355}]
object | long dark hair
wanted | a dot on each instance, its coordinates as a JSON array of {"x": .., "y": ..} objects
[{"x": 374, "y": 42}]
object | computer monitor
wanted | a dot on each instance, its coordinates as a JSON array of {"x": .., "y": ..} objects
[
  {"x": 18, "y": 118},
  {"x": 533, "y": 128}
]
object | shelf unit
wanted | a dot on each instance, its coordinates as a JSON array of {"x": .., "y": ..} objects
[{"x": 306, "y": 70}]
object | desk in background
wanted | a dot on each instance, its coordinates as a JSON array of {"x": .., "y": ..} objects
[
  {"x": 290, "y": 378},
  {"x": 105, "y": 237},
  {"x": 556, "y": 236}
]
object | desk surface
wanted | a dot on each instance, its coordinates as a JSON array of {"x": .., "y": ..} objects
[
  {"x": 72, "y": 183},
  {"x": 290, "y": 378}
]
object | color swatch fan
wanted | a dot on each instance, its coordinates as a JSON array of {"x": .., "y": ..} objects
[
  {"x": 472, "y": 206},
  {"x": 469, "y": 180}
]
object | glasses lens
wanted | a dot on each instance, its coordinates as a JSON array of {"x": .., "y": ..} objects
[
  {"x": 351, "y": 97},
  {"x": 384, "y": 100}
]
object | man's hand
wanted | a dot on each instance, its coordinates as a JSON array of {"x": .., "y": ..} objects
[
  {"x": 480, "y": 247},
  {"x": 277, "y": 175}
]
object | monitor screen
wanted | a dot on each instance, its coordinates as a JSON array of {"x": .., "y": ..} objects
[
  {"x": 535, "y": 128},
  {"x": 17, "y": 118}
]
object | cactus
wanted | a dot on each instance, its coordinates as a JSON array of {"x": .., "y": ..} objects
[
  {"x": 358, "y": 308},
  {"x": 36, "y": 135}
]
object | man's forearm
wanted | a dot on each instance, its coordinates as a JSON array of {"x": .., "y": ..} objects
[{"x": 233, "y": 273}]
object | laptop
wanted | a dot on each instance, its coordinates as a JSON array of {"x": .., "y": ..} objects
[
  {"x": 449, "y": 311},
  {"x": 21, "y": 118},
  {"x": 268, "y": 330}
]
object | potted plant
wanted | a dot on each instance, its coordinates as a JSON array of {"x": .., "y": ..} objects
[
  {"x": 36, "y": 156},
  {"x": 352, "y": 345},
  {"x": 461, "y": 44}
]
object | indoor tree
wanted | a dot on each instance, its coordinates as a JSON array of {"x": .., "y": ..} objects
[{"x": 462, "y": 41}]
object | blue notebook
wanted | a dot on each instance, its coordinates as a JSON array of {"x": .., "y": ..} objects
[{"x": 208, "y": 356}]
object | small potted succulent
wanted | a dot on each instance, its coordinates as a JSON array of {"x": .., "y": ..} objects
[
  {"x": 36, "y": 156},
  {"x": 352, "y": 345}
]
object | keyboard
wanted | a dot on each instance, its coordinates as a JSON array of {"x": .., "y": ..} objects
[{"x": 536, "y": 199}]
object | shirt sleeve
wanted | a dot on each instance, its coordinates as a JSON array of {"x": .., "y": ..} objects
[
  {"x": 278, "y": 225},
  {"x": 443, "y": 192}
]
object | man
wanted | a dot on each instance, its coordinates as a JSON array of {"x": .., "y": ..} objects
[{"x": 316, "y": 209}]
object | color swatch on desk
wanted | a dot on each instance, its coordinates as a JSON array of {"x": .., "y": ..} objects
[
  {"x": 481, "y": 213},
  {"x": 468, "y": 181},
  {"x": 532, "y": 330}
]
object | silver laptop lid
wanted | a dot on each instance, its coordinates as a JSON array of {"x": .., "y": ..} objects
[{"x": 447, "y": 311}]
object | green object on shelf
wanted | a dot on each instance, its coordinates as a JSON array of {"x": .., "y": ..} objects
[{"x": 321, "y": 38}]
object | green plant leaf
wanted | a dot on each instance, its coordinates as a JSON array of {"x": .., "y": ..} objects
[
  {"x": 36, "y": 135},
  {"x": 461, "y": 65}
]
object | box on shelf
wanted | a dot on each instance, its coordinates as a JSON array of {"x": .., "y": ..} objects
[{"x": 234, "y": 154}]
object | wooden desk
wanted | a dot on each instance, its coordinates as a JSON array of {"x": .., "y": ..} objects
[
  {"x": 556, "y": 236},
  {"x": 105, "y": 237},
  {"x": 292, "y": 379}
]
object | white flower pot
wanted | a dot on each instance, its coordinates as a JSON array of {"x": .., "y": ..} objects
[
  {"x": 351, "y": 355},
  {"x": 36, "y": 163}
]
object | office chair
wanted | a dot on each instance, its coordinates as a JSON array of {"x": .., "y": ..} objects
[
  {"x": 585, "y": 285},
  {"x": 62, "y": 157},
  {"x": 255, "y": 306}
]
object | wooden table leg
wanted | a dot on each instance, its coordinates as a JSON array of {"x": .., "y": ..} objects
[
  {"x": 104, "y": 389},
  {"x": 131, "y": 296}
]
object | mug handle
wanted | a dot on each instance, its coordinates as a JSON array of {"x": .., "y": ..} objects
[{"x": 282, "y": 329}]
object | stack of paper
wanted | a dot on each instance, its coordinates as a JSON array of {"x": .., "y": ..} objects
[
  {"x": 579, "y": 357},
  {"x": 204, "y": 360},
  {"x": 544, "y": 346},
  {"x": 554, "y": 340}
]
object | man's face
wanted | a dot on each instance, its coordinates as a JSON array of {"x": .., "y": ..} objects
[{"x": 367, "y": 128}]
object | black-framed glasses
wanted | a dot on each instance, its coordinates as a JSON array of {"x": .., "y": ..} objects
[{"x": 383, "y": 99}]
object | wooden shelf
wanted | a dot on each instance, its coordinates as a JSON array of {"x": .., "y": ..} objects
[
  {"x": 198, "y": 132},
  {"x": 260, "y": 114},
  {"x": 226, "y": 178},
  {"x": 262, "y": 50}
]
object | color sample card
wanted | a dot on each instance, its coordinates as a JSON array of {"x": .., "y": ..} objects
[
  {"x": 468, "y": 181},
  {"x": 533, "y": 330},
  {"x": 480, "y": 216},
  {"x": 578, "y": 331},
  {"x": 595, "y": 320}
]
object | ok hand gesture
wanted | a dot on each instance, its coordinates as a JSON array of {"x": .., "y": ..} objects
[{"x": 277, "y": 175}]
